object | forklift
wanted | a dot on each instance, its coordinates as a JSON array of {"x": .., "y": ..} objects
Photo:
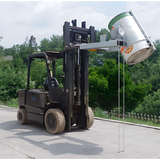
[{"x": 59, "y": 108}]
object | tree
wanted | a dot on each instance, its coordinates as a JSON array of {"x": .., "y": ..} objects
[
  {"x": 44, "y": 45},
  {"x": 55, "y": 43},
  {"x": 150, "y": 104},
  {"x": 9, "y": 51},
  {"x": 1, "y": 53},
  {"x": 10, "y": 81},
  {"x": 95, "y": 59},
  {"x": 103, "y": 87},
  {"x": 38, "y": 72},
  {"x": 25, "y": 49},
  {"x": 156, "y": 53},
  {"x": 32, "y": 44}
]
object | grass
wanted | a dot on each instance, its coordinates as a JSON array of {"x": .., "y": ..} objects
[
  {"x": 11, "y": 103},
  {"x": 102, "y": 114},
  {"x": 1, "y": 103}
]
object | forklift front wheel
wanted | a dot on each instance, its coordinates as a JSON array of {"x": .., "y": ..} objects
[
  {"x": 22, "y": 116},
  {"x": 90, "y": 117},
  {"x": 54, "y": 121}
]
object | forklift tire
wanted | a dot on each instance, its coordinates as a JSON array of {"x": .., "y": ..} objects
[
  {"x": 54, "y": 121},
  {"x": 22, "y": 116},
  {"x": 90, "y": 118}
]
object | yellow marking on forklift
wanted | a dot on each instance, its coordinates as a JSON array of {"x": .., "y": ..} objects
[{"x": 93, "y": 50}]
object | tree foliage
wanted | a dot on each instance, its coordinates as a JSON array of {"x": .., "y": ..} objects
[
  {"x": 55, "y": 43},
  {"x": 38, "y": 72},
  {"x": 11, "y": 80},
  {"x": 150, "y": 105},
  {"x": 103, "y": 87}
]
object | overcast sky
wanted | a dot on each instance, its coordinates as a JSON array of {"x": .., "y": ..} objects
[{"x": 21, "y": 19}]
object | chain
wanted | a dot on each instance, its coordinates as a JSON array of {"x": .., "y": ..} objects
[
  {"x": 119, "y": 131},
  {"x": 123, "y": 104},
  {"x": 119, "y": 100}
]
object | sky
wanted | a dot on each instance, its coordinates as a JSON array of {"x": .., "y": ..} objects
[{"x": 42, "y": 19}]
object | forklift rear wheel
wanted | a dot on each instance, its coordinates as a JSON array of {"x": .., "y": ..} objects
[
  {"x": 22, "y": 116},
  {"x": 54, "y": 121},
  {"x": 90, "y": 117}
]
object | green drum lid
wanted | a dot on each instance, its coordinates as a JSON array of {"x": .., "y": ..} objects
[{"x": 118, "y": 17}]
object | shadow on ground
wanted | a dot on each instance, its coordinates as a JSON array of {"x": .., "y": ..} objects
[{"x": 56, "y": 144}]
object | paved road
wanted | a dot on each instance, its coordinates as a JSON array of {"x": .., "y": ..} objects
[{"x": 100, "y": 141}]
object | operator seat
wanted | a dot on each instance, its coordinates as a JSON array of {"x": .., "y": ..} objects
[{"x": 54, "y": 83}]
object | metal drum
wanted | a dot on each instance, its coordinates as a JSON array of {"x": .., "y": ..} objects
[{"x": 138, "y": 46}]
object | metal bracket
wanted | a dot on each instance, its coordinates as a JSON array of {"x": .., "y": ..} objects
[
  {"x": 108, "y": 46},
  {"x": 142, "y": 30}
]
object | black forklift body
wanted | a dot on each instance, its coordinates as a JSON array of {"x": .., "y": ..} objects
[{"x": 72, "y": 99}]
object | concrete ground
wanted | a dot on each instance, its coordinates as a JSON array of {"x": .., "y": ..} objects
[{"x": 100, "y": 141}]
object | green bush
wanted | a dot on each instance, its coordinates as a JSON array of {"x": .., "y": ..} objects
[
  {"x": 98, "y": 112},
  {"x": 103, "y": 88},
  {"x": 150, "y": 104},
  {"x": 2, "y": 103},
  {"x": 12, "y": 103}
]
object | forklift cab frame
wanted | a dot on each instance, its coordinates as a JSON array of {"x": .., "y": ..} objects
[{"x": 48, "y": 56}]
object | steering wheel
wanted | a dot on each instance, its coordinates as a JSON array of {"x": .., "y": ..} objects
[{"x": 45, "y": 84}]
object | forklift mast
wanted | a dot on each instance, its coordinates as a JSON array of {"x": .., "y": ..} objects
[{"x": 76, "y": 66}]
